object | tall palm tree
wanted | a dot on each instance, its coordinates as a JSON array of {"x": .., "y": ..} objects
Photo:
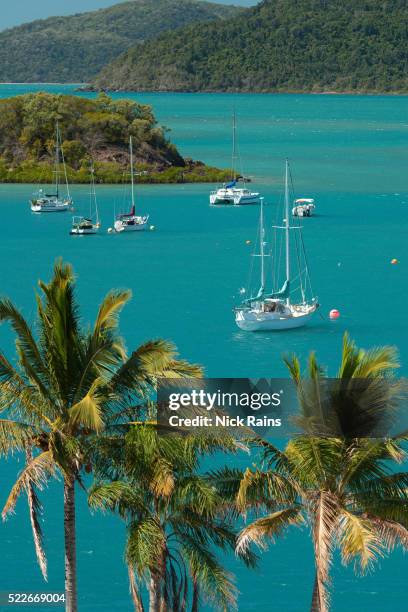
[
  {"x": 69, "y": 385},
  {"x": 175, "y": 516},
  {"x": 344, "y": 488}
]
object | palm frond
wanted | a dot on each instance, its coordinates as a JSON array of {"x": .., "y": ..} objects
[
  {"x": 359, "y": 541},
  {"x": 36, "y": 473},
  {"x": 109, "y": 310},
  {"x": 391, "y": 533},
  {"x": 269, "y": 488},
  {"x": 268, "y": 528},
  {"x": 162, "y": 478},
  {"x": 293, "y": 365},
  {"x": 35, "y": 509},
  {"x": 88, "y": 411},
  {"x": 216, "y": 584},
  {"x": 117, "y": 497},
  {"x": 15, "y": 436},
  {"x": 26, "y": 342},
  {"x": 145, "y": 545}
]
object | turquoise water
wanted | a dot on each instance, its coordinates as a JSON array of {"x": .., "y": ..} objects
[{"x": 351, "y": 154}]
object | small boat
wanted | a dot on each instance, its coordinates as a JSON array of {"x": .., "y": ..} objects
[
  {"x": 230, "y": 194},
  {"x": 130, "y": 222},
  {"x": 82, "y": 226},
  {"x": 303, "y": 207},
  {"x": 275, "y": 310},
  {"x": 44, "y": 202}
]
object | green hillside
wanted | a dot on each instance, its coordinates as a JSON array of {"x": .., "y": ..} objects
[
  {"x": 279, "y": 45},
  {"x": 92, "y": 130},
  {"x": 75, "y": 48}
]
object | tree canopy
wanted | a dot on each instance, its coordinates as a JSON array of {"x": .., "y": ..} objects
[
  {"x": 75, "y": 48},
  {"x": 96, "y": 130},
  {"x": 279, "y": 45}
]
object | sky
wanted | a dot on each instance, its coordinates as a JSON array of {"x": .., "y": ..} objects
[{"x": 24, "y": 11}]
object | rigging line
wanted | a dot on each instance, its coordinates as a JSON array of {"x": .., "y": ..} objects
[
  {"x": 238, "y": 155},
  {"x": 297, "y": 247},
  {"x": 252, "y": 259},
  {"x": 306, "y": 263},
  {"x": 297, "y": 220},
  {"x": 279, "y": 259}
]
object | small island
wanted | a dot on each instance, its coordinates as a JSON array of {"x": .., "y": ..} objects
[{"x": 96, "y": 131}]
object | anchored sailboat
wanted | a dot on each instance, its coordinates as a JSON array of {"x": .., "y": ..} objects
[
  {"x": 229, "y": 193},
  {"x": 54, "y": 202},
  {"x": 130, "y": 222},
  {"x": 275, "y": 310},
  {"x": 82, "y": 226}
]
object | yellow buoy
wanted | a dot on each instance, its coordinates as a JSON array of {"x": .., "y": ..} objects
[
  {"x": 247, "y": 242},
  {"x": 394, "y": 261}
]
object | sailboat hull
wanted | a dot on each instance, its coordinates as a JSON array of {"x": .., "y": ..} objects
[
  {"x": 75, "y": 231},
  {"x": 234, "y": 197},
  {"x": 137, "y": 224},
  {"x": 265, "y": 321},
  {"x": 50, "y": 207}
]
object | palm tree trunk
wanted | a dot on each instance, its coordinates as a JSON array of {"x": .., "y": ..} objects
[
  {"x": 70, "y": 547},
  {"x": 154, "y": 593},
  {"x": 137, "y": 600},
  {"x": 315, "y": 607},
  {"x": 157, "y": 601}
]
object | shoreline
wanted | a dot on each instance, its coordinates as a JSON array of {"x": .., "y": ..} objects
[{"x": 85, "y": 88}]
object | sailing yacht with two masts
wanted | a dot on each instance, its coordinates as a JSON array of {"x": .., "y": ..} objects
[
  {"x": 278, "y": 309},
  {"x": 130, "y": 222},
  {"x": 44, "y": 202},
  {"x": 229, "y": 193}
]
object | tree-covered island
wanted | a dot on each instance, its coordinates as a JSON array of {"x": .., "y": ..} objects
[{"x": 94, "y": 131}]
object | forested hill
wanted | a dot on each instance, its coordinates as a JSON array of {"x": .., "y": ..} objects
[
  {"x": 279, "y": 45},
  {"x": 75, "y": 48}
]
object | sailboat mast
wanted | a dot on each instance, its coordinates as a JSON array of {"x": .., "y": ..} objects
[
  {"x": 93, "y": 201},
  {"x": 287, "y": 242},
  {"x": 234, "y": 143},
  {"x": 262, "y": 240},
  {"x": 57, "y": 159},
  {"x": 132, "y": 178}
]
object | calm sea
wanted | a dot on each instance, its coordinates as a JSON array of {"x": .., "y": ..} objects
[{"x": 351, "y": 154}]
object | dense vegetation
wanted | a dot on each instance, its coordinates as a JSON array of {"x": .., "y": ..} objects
[
  {"x": 75, "y": 48},
  {"x": 279, "y": 45},
  {"x": 92, "y": 130}
]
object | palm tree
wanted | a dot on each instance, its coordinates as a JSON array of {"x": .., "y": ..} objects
[
  {"x": 69, "y": 385},
  {"x": 175, "y": 516},
  {"x": 344, "y": 488}
]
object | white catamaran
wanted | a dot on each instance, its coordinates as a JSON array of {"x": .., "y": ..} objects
[
  {"x": 229, "y": 193},
  {"x": 54, "y": 202},
  {"x": 130, "y": 222},
  {"x": 82, "y": 226},
  {"x": 275, "y": 310}
]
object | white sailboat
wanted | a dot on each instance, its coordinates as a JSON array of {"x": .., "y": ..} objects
[
  {"x": 229, "y": 193},
  {"x": 82, "y": 226},
  {"x": 130, "y": 222},
  {"x": 275, "y": 310},
  {"x": 44, "y": 202}
]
